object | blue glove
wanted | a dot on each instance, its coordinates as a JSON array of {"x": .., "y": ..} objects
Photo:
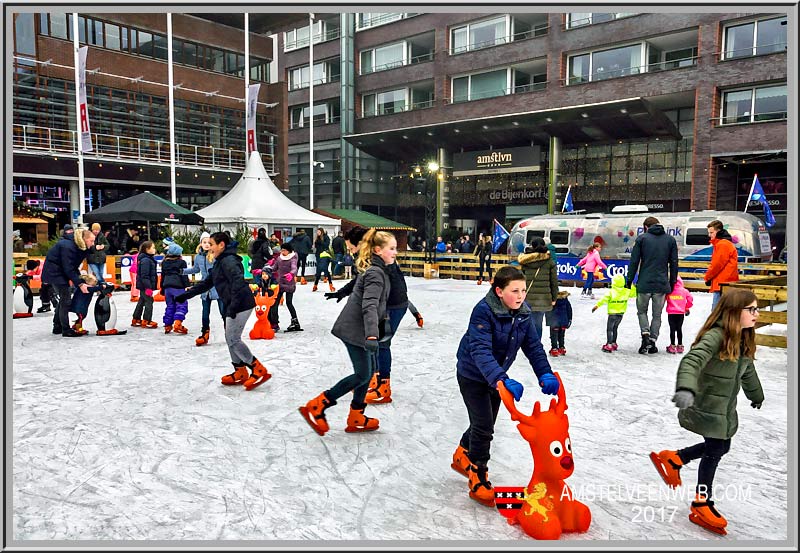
[
  {"x": 514, "y": 387},
  {"x": 549, "y": 384}
]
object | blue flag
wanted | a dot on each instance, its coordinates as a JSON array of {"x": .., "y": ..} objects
[
  {"x": 568, "y": 201},
  {"x": 500, "y": 236},
  {"x": 757, "y": 195}
]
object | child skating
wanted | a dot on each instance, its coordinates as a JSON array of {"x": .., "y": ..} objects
[
  {"x": 227, "y": 276},
  {"x": 591, "y": 262},
  {"x": 559, "y": 320},
  {"x": 146, "y": 281},
  {"x": 500, "y": 325},
  {"x": 359, "y": 327},
  {"x": 173, "y": 283},
  {"x": 719, "y": 362},
  {"x": 203, "y": 262},
  {"x": 285, "y": 273},
  {"x": 679, "y": 301},
  {"x": 617, "y": 302}
]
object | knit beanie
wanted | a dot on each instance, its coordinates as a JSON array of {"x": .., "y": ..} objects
[{"x": 174, "y": 249}]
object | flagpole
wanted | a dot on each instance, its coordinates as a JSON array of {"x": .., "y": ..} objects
[
  {"x": 78, "y": 140},
  {"x": 750, "y": 195},
  {"x": 564, "y": 203}
]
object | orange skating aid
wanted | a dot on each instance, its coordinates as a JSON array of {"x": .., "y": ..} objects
[
  {"x": 358, "y": 422},
  {"x": 236, "y": 377},
  {"x": 259, "y": 376},
  {"x": 263, "y": 330},
  {"x": 668, "y": 465},
  {"x": 461, "y": 461},
  {"x": 314, "y": 413}
]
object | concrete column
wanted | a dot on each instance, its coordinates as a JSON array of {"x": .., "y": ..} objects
[
  {"x": 442, "y": 191},
  {"x": 553, "y": 172}
]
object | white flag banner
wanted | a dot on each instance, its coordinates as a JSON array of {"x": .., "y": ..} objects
[
  {"x": 83, "y": 116},
  {"x": 252, "y": 104}
]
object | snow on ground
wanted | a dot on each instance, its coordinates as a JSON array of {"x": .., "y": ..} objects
[{"x": 133, "y": 437}]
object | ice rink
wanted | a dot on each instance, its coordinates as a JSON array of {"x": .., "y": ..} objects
[{"x": 134, "y": 438}]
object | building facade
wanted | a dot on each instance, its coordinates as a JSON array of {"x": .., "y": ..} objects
[
  {"x": 127, "y": 100},
  {"x": 676, "y": 111}
]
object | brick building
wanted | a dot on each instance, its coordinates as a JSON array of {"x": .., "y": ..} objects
[{"x": 676, "y": 111}]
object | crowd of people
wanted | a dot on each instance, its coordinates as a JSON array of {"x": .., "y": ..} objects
[{"x": 508, "y": 319}]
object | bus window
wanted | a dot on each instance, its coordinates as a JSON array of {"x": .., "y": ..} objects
[
  {"x": 562, "y": 249},
  {"x": 559, "y": 237},
  {"x": 531, "y": 233},
  {"x": 697, "y": 237}
]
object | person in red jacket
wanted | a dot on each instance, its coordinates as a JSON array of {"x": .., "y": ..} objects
[{"x": 724, "y": 266}]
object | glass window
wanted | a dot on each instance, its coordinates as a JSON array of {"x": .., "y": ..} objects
[
  {"x": 461, "y": 89},
  {"x": 95, "y": 33},
  {"x": 559, "y": 236},
  {"x": 736, "y": 106},
  {"x": 387, "y": 57},
  {"x": 189, "y": 55},
  {"x": 771, "y": 36},
  {"x": 770, "y": 103},
  {"x": 368, "y": 105},
  {"x": 145, "y": 43},
  {"x": 25, "y": 34},
  {"x": 617, "y": 62},
  {"x": 739, "y": 40},
  {"x": 579, "y": 69},
  {"x": 112, "y": 36},
  {"x": 297, "y": 117},
  {"x": 58, "y": 26},
  {"x": 366, "y": 62},
  {"x": 160, "y": 47},
  {"x": 578, "y": 19},
  {"x": 697, "y": 237},
  {"x": 487, "y": 33},
  {"x": 488, "y": 85},
  {"x": 81, "y": 29},
  {"x": 214, "y": 60},
  {"x": 531, "y": 234},
  {"x": 392, "y": 101},
  {"x": 458, "y": 41}
]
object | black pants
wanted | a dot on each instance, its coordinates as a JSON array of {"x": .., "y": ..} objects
[
  {"x": 486, "y": 263},
  {"x": 273, "y": 311},
  {"x": 611, "y": 328},
  {"x": 301, "y": 265},
  {"x": 675, "y": 328},
  {"x": 45, "y": 293},
  {"x": 557, "y": 335},
  {"x": 709, "y": 453},
  {"x": 483, "y": 403},
  {"x": 61, "y": 314},
  {"x": 322, "y": 269},
  {"x": 144, "y": 308}
]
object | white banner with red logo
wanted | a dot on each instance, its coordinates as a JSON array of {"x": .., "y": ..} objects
[
  {"x": 252, "y": 104},
  {"x": 83, "y": 116}
]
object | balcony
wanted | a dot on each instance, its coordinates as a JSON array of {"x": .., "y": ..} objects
[
  {"x": 44, "y": 141},
  {"x": 411, "y": 51},
  {"x": 492, "y": 32}
]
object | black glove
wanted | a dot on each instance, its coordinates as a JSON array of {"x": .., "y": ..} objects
[
  {"x": 628, "y": 285},
  {"x": 331, "y": 295},
  {"x": 755, "y": 405},
  {"x": 180, "y": 298},
  {"x": 371, "y": 345},
  {"x": 708, "y": 283}
]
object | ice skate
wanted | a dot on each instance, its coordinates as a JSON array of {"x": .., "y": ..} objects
[
  {"x": 314, "y": 289},
  {"x": 382, "y": 393},
  {"x": 179, "y": 328},
  {"x": 668, "y": 464},
  {"x": 314, "y": 413},
  {"x": 259, "y": 376},
  {"x": 614, "y": 346},
  {"x": 167, "y": 329},
  {"x": 679, "y": 348},
  {"x": 480, "y": 489},
  {"x": 480, "y": 281},
  {"x": 358, "y": 422},
  {"x": 136, "y": 322},
  {"x": 607, "y": 348},
  {"x": 704, "y": 514},
  {"x": 149, "y": 324},
  {"x": 203, "y": 338},
  {"x": 418, "y": 316},
  {"x": 554, "y": 352},
  {"x": 330, "y": 284},
  {"x": 563, "y": 351},
  {"x": 672, "y": 349},
  {"x": 461, "y": 461},
  {"x": 294, "y": 326},
  {"x": 71, "y": 333},
  {"x": 303, "y": 281},
  {"x": 645, "y": 343},
  {"x": 651, "y": 347},
  {"x": 238, "y": 376},
  {"x": 45, "y": 308}
]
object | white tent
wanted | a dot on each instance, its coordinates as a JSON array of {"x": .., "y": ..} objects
[{"x": 256, "y": 202}]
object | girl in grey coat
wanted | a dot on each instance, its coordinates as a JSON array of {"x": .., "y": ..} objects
[{"x": 359, "y": 327}]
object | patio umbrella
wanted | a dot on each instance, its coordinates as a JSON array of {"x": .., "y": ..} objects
[{"x": 143, "y": 207}]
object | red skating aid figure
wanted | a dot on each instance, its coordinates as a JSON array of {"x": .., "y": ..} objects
[
  {"x": 262, "y": 330},
  {"x": 548, "y": 508}
]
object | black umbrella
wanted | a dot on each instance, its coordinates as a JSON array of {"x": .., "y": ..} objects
[{"x": 143, "y": 207}]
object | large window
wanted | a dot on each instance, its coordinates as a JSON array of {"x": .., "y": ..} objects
[
  {"x": 582, "y": 19},
  {"x": 482, "y": 34},
  {"x": 755, "y": 38},
  {"x": 606, "y": 64},
  {"x": 384, "y": 103},
  {"x": 367, "y": 20},
  {"x": 324, "y": 72},
  {"x": 298, "y": 38},
  {"x": 384, "y": 57},
  {"x": 765, "y": 103},
  {"x": 480, "y": 85},
  {"x": 324, "y": 113}
]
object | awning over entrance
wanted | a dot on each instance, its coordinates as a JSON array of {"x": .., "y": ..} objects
[
  {"x": 364, "y": 219},
  {"x": 618, "y": 120}
]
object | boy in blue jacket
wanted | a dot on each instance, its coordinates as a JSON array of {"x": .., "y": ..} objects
[
  {"x": 559, "y": 320},
  {"x": 500, "y": 325}
]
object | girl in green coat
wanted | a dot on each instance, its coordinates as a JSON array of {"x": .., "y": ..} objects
[{"x": 719, "y": 362}]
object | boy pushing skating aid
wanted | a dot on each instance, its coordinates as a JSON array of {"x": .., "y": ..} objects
[{"x": 719, "y": 362}]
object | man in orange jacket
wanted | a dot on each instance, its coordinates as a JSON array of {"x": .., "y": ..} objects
[{"x": 724, "y": 265}]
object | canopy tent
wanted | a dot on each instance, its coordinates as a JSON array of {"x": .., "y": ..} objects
[
  {"x": 143, "y": 207},
  {"x": 256, "y": 201}
]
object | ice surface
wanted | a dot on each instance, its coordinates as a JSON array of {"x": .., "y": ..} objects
[{"x": 133, "y": 437}]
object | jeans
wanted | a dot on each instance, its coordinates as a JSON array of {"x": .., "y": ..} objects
[
  {"x": 240, "y": 353},
  {"x": 675, "y": 328},
  {"x": 487, "y": 263},
  {"x": 384, "y": 353},
  {"x": 61, "y": 315},
  {"x": 483, "y": 403},
  {"x": 97, "y": 269},
  {"x": 587, "y": 287},
  {"x": 363, "y": 366},
  {"x": 715, "y": 299},
  {"x": 301, "y": 265},
  {"x": 338, "y": 266},
  {"x": 709, "y": 452},
  {"x": 557, "y": 335},
  {"x": 322, "y": 268},
  {"x": 612, "y": 326},
  {"x": 650, "y": 327},
  {"x": 206, "y": 316},
  {"x": 538, "y": 317},
  {"x": 144, "y": 308}
]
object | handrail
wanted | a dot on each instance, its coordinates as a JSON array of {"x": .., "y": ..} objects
[
  {"x": 750, "y": 54},
  {"x": 534, "y": 32},
  {"x": 407, "y": 107},
  {"x": 394, "y": 64},
  {"x": 319, "y": 38},
  {"x": 751, "y": 118},
  {"x": 628, "y": 71},
  {"x": 501, "y": 92}
]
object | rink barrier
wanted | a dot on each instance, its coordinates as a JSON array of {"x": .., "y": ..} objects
[{"x": 772, "y": 296}]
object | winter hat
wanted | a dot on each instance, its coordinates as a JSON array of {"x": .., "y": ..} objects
[
  {"x": 167, "y": 241},
  {"x": 287, "y": 246},
  {"x": 276, "y": 250},
  {"x": 67, "y": 227},
  {"x": 204, "y": 235},
  {"x": 174, "y": 249}
]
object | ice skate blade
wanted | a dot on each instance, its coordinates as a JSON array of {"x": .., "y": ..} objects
[
  {"x": 257, "y": 383},
  {"x": 489, "y": 503},
  {"x": 307, "y": 416},
  {"x": 702, "y": 524},
  {"x": 113, "y": 332},
  {"x": 378, "y": 401},
  {"x": 660, "y": 469},
  {"x": 353, "y": 429}
]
